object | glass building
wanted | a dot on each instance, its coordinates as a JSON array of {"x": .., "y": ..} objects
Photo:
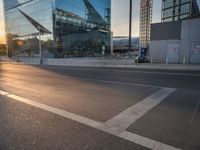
[
  {"x": 145, "y": 23},
  {"x": 59, "y": 28},
  {"x": 173, "y": 10}
]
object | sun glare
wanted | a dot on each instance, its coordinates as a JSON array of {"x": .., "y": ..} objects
[
  {"x": 2, "y": 37},
  {"x": 1, "y": 33}
]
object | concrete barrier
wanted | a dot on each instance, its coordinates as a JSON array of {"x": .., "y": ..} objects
[
  {"x": 27, "y": 60},
  {"x": 106, "y": 62},
  {"x": 88, "y": 61},
  {"x": 76, "y": 61}
]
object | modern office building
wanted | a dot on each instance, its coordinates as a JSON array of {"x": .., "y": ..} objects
[
  {"x": 145, "y": 22},
  {"x": 60, "y": 28},
  {"x": 174, "y": 10},
  {"x": 176, "y": 42},
  {"x": 177, "y": 38}
]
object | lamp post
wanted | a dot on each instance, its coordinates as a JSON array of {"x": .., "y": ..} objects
[
  {"x": 40, "y": 46},
  {"x": 130, "y": 26}
]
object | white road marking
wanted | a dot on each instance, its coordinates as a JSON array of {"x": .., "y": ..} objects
[
  {"x": 146, "y": 142},
  {"x": 123, "y": 120},
  {"x": 98, "y": 80},
  {"x": 3, "y": 93},
  {"x": 137, "y": 139},
  {"x": 119, "y": 82},
  {"x": 57, "y": 111}
]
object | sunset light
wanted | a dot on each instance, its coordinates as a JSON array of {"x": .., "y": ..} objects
[
  {"x": 100, "y": 74},
  {"x": 2, "y": 36},
  {"x": 2, "y": 33}
]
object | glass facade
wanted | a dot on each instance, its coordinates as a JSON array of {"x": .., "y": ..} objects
[
  {"x": 173, "y": 10},
  {"x": 61, "y": 28}
]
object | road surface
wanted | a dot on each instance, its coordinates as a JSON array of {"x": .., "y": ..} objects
[{"x": 88, "y": 108}]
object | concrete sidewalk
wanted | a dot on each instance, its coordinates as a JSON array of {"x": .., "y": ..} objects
[
  {"x": 5, "y": 59},
  {"x": 104, "y": 62},
  {"x": 164, "y": 66}
]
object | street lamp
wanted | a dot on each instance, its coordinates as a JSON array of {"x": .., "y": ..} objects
[
  {"x": 130, "y": 26},
  {"x": 40, "y": 46}
]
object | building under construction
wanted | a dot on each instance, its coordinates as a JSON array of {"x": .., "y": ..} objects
[{"x": 145, "y": 23}]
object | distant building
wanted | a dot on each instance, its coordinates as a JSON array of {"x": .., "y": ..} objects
[
  {"x": 145, "y": 22},
  {"x": 174, "y": 10},
  {"x": 176, "y": 42},
  {"x": 66, "y": 28},
  {"x": 121, "y": 44}
]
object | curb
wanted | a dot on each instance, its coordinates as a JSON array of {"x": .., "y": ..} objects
[{"x": 134, "y": 66}]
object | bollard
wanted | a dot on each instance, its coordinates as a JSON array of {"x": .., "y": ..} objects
[
  {"x": 184, "y": 60},
  {"x": 166, "y": 61},
  {"x": 151, "y": 60}
]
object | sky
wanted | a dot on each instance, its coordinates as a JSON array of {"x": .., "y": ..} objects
[{"x": 120, "y": 17}]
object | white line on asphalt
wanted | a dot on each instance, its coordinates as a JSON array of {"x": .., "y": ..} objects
[
  {"x": 119, "y": 82},
  {"x": 57, "y": 111},
  {"x": 3, "y": 93},
  {"x": 98, "y": 80},
  {"x": 146, "y": 142},
  {"x": 123, "y": 120},
  {"x": 137, "y": 139}
]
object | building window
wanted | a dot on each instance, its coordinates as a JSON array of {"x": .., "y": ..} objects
[
  {"x": 185, "y": 8},
  {"x": 167, "y": 13},
  {"x": 167, "y": 20},
  {"x": 176, "y": 10},
  {"x": 176, "y": 18},
  {"x": 184, "y": 16},
  {"x": 185, "y": 1},
  {"x": 176, "y": 2},
  {"x": 168, "y": 3}
]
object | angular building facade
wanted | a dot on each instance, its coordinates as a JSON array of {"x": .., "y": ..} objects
[
  {"x": 60, "y": 28},
  {"x": 145, "y": 22},
  {"x": 174, "y": 10}
]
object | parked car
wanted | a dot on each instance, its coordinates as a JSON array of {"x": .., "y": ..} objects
[{"x": 142, "y": 59}]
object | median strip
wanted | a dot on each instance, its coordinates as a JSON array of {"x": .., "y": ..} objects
[
  {"x": 123, "y": 120},
  {"x": 126, "y": 135}
]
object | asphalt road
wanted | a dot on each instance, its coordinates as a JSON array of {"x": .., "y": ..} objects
[{"x": 88, "y": 108}]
